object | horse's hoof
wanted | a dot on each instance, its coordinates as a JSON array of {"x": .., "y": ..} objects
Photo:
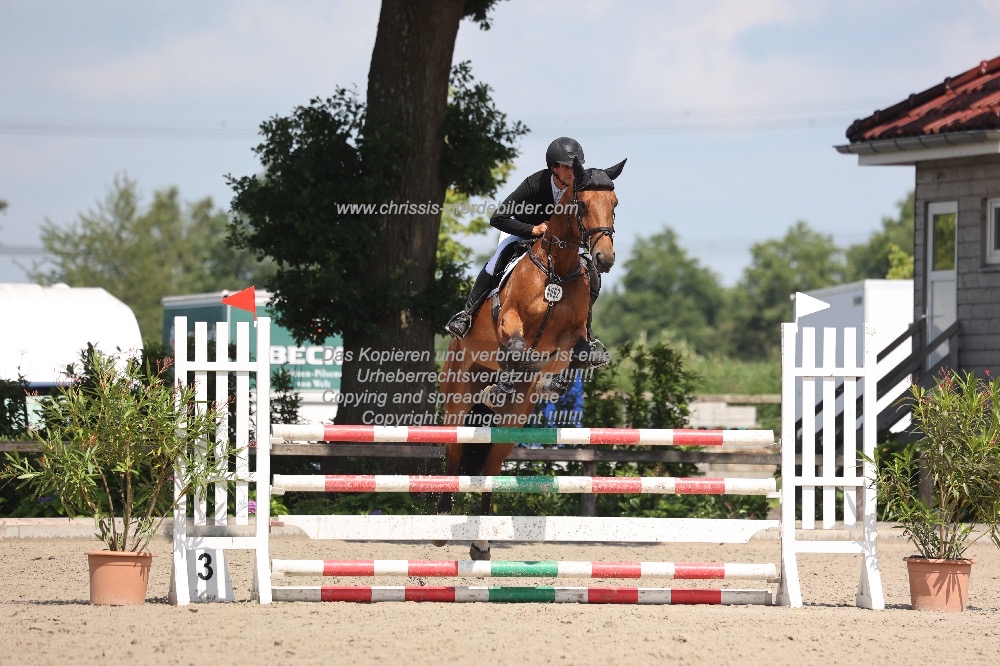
[
  {"x": 598, "y": 357},
  {"x": 553, "y": 389},
  {"x": 497, "y": 395},
  {"x": 439, "y": 543},
  {"x": 476, "y": 554}
]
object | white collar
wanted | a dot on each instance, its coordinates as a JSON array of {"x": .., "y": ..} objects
[{"x": 556, "y": 191}]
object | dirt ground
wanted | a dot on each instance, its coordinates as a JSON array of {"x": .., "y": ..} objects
[{"x": 46, "y": 618}]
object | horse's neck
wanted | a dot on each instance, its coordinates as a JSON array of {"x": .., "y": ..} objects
[
  {"x": 562, "y": 228},
  {"x": 562, "y": 259}
]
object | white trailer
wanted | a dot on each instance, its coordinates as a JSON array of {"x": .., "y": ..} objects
[
  {"x": 46, "y": 328},
  {"x": 885, "y": 304}
]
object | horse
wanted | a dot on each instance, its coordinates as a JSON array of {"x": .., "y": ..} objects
[{"x": 528, "y": 345}]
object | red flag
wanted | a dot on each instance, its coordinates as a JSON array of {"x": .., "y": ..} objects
[{"x": 244, "y": 300}]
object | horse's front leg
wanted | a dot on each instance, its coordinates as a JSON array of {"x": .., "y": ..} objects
[
  {"x": 511, "y": 359},
  {"x": 552, "y": 386}
]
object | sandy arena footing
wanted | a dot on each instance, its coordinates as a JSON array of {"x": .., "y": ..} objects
[{"x": 45, "y": 616}]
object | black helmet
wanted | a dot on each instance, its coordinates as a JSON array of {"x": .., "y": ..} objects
[{"x": 563, "y": 150}]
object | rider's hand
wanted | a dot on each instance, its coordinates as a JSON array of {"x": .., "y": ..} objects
[{"x": 539, "y": 229}]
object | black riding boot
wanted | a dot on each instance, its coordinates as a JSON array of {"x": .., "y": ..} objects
[
  {"x": 460, "y": 324},
  {"x": 599, "y": 356}
]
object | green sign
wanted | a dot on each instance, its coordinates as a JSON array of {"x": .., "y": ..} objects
[{"x": 313, "y": 367}]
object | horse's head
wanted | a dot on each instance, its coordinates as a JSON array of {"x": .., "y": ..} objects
[{"x": 596, "y": 201}]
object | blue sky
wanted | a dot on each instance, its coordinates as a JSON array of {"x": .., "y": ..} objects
[{"x": 727, "y": 110}]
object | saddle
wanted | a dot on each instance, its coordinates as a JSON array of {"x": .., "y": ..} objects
[{"x": 522, "y": 253}]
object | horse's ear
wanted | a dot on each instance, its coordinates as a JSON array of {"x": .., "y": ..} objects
[
  {"x": 578, "y": 172},
  {"x": 615, "y": 171}
]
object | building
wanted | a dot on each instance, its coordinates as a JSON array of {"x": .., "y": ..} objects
[{"x": 950, "y": 133}]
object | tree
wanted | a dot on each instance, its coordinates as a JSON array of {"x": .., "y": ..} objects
[
  {"x": 803, "y": 260},
  {"x": 140, "y": 255},
  {"x": 663, "y": 289},
  {"x": 878, "y": 256},
  {"x": 371, "y": 272}
]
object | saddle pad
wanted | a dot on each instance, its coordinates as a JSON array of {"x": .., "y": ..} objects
[{"x": 506, "y": 274}]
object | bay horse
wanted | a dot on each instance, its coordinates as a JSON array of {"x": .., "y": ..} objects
[{"x": 526, "y": 347}]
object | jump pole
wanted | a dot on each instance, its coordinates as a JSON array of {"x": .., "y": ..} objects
[
  {"x": 287, "y": 433},
  {"x": 574, "y": 595},
  {"x": 521, "y": 569}
]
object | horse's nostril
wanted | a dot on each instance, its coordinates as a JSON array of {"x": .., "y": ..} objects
[{"x": 604, "y": 261}]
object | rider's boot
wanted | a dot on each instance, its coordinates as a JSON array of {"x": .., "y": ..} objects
[
  {"x": 460, "y": 324},
  {"x": 598, "y": 356}
]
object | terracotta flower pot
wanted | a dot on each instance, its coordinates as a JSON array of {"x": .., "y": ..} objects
[
  {"x": 118, "y": 578},
  {"x": 938, "y": 585}
]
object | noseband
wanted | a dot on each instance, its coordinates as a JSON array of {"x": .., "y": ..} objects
[{"x": 589, "y": 237}]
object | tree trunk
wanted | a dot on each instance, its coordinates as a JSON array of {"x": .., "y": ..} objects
[{"x": 408, "y": 93}]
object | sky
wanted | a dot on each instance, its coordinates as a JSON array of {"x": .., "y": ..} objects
[{"x": 727, "y": 110}]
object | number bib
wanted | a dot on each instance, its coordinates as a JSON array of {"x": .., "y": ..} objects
[{"x": 553, "y": 293}]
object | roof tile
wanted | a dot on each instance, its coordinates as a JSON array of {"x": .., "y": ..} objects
[{"x": 969, "y": 101}]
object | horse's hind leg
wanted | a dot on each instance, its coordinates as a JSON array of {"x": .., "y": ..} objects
[
  {"x": 453, "y": 455},
  {"x": 480, "y": 550}
]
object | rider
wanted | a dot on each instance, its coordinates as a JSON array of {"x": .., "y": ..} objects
[{"x": 525, "y": 215}]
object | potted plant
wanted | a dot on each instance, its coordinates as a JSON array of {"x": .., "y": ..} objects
[
  {"x": 957, "y": 457},
  {"x": 111, "y": 442}
]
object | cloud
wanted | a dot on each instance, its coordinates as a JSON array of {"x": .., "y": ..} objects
[
  {"x": 697, "y": 57},
  {"x": 251, "y": 48}
]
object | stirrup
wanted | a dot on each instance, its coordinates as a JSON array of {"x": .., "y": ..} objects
[
  {"x": 459, "y": 324},
  {"x": 495, "y": 396},
  {"x": 597, "y": 357}
]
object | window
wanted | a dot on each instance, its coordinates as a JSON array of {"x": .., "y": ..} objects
[
  {"x": 942, "y": 237},
  {"x": 993, "y": 231}
]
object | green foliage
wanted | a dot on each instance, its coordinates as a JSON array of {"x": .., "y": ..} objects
[
  {"x": 881, "y": 254},
  {"x": 140, "y": 254},
  {"x": 457, "y": 221},
  {"x": 663, "y": 290},
  {"x": 803, "y": 260},
  {"x": 717, "y": 374},
  {"x": 109, "y": 446},
  {"x": 900, "y": 264},
  {"x": 477, "y": 136},
  {"x": 959, "y": 448},
  {"x": 650, "y": 388},
  {"x": 478, "y": 11},
  {"x": 666, "y": 296},
  {"x": 13, "y": 407},
  {"x": 285, "y": 402},
  {"x": 313, "y": 161},
  {"x": 326, "y": 154}
]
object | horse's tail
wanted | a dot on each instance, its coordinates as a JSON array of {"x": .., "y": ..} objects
[{"x": 474, "y": 455}]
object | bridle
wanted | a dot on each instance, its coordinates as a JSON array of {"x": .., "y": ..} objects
[{"x": 588, "y": 238}]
